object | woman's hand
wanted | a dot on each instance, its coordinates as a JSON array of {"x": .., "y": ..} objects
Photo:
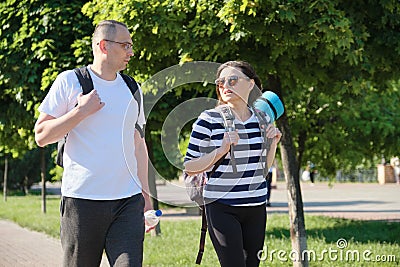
[
  {"x": 273, "y": 132},
  {"x": 230, "y": 138}
]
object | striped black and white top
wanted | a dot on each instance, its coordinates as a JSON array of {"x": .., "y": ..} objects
[{"x": 247, "y": 187}]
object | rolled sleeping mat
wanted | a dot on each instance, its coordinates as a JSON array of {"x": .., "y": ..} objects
[{"x": 270, "y": 104}]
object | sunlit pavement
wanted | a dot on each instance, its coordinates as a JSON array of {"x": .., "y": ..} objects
[{"x": 364, "y": 201}]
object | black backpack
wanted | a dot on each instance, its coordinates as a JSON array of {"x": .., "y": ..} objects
[{"x": 87, "y": 86}]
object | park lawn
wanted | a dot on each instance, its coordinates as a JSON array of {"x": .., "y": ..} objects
[{"x": 331, "y": 241}]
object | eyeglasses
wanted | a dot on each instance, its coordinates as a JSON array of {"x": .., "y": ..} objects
[
  {"x": 232, "y": 80},
  {"x": 125, "y": 46}
]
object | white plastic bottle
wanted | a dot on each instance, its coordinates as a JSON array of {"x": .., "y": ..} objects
[{"x": 151, "y": 218}]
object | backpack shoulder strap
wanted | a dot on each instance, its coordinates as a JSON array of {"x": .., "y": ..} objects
[
  {"x": 132, "y": 84},
  {"x": 87, "y": 85},
  {"x": 229, "y": 125},
  {"x": 203, "y": 235},
  {"x": 133, "y": 87},
  {"x": 227, "y": 116},
  {"x": 263, "y": 121},
  {"x": 84, "y": 79}
]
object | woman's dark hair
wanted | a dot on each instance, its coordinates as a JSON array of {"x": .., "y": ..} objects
[{"x": 247, "y": 70}]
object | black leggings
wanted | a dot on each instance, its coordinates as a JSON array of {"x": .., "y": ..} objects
[{"x": 237, "y": 233}]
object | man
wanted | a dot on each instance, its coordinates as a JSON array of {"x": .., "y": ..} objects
[{"x": 104, "y": 187}]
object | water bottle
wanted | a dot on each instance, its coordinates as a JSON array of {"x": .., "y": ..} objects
[{"x": 151, "y": 218}]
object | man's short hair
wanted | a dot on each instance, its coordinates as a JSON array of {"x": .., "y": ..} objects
[{"x": 106, "y": 29}]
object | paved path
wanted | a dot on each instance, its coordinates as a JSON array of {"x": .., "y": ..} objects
[
  {"x": 351, "y": 201},
  {"x": 20, "y": 247},
  {"x": 362, "y": 201}
]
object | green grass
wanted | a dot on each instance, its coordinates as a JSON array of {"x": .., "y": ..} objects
[
  {"x": 178, "y": 243},
  {"x": 26, "y": 211}
]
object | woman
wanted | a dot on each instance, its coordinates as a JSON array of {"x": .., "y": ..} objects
[{"x": 235, "y": 201}]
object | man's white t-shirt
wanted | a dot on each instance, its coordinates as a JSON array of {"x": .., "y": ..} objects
[{"x": 99, "y": 155}]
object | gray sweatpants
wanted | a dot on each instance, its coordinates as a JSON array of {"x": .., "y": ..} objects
[{"x": 90, "y": 226}]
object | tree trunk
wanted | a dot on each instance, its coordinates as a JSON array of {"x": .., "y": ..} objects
[
  {"x": 291, "y": 171},
  {"x": 5, "y": 178},
  {"x": 25, "y": 188},
  {"x": 152, "y": 180},
  {"x": 43, "y": 175},
  {"x": 295, "y": 201}
]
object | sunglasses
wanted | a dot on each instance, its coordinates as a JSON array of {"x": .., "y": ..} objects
[{"x": 232, "y": 80}]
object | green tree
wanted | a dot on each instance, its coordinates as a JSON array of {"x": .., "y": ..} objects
[
  {"x": 36, "y": 40},
  {"x": 24, "y": 171}
]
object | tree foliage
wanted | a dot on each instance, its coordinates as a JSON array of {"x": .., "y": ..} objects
[{"x": 36, "y": 40}]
